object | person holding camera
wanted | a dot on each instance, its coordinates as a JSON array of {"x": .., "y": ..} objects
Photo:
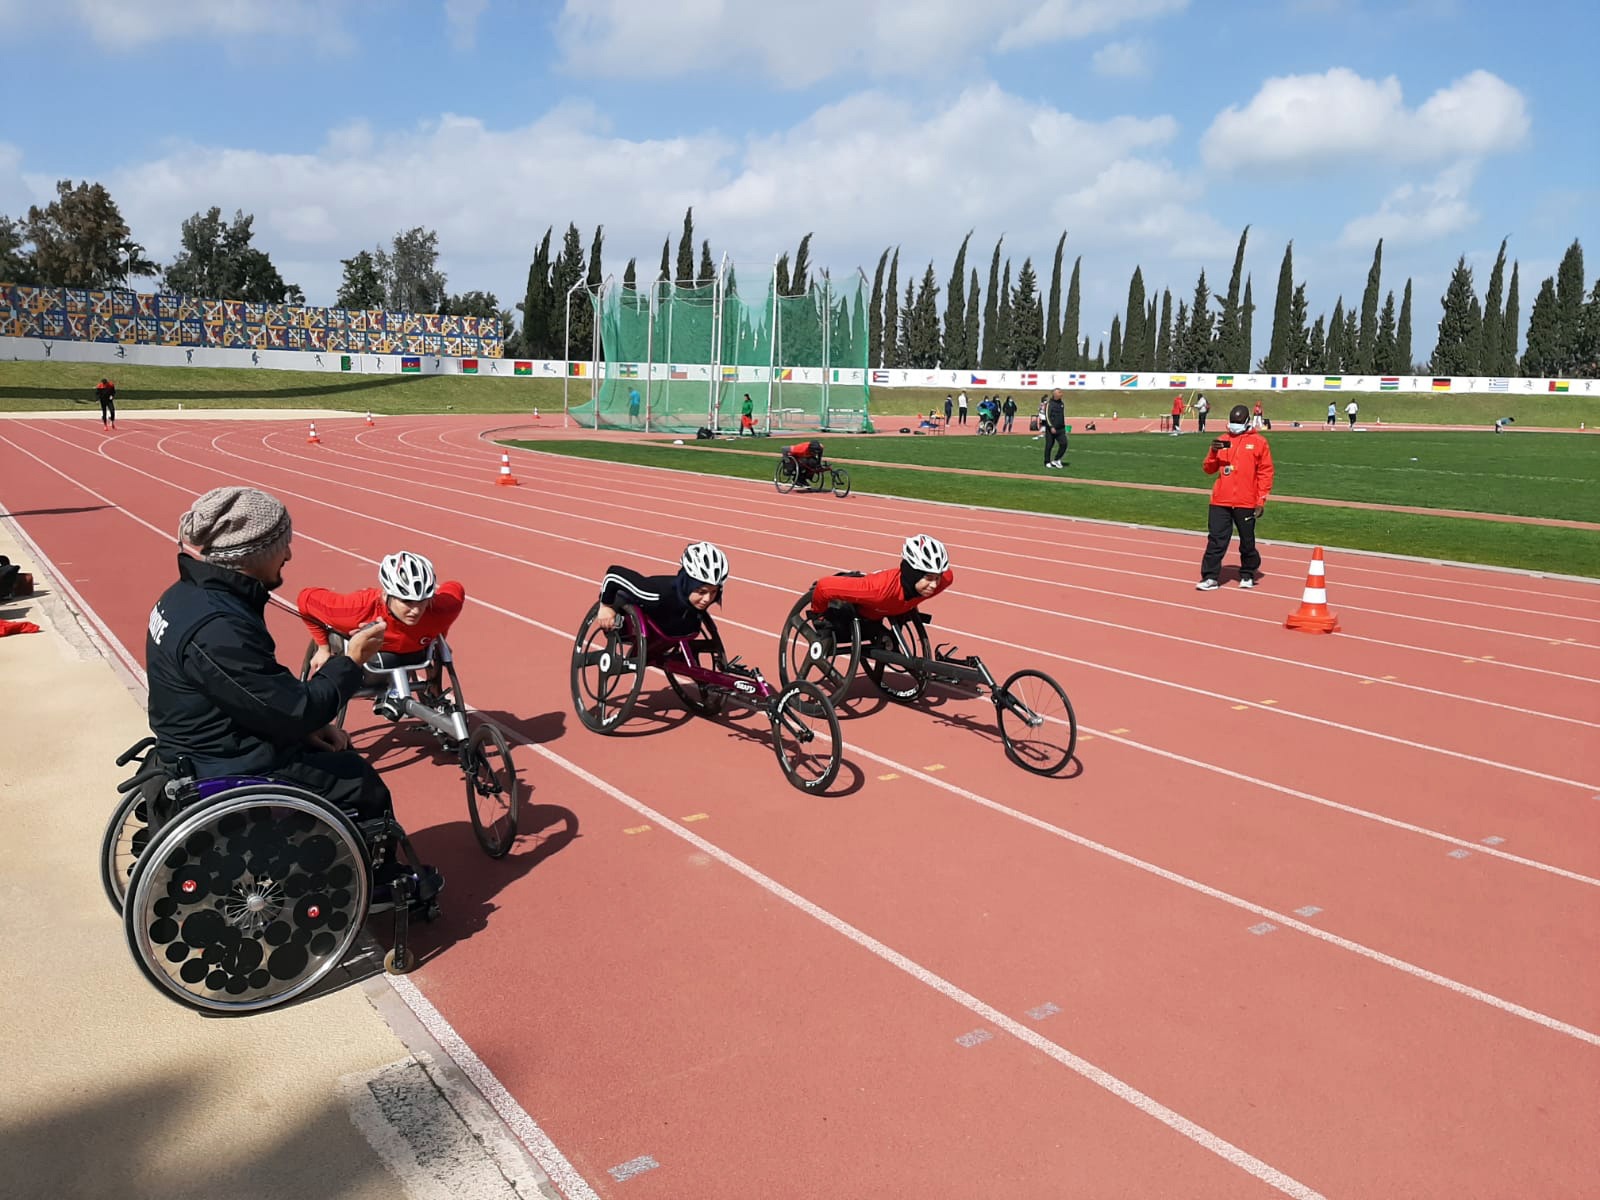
[{"x": 1242, "y": 463}]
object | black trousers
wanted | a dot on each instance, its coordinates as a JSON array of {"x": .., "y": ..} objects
[
  {"x": 108, "y": 409},
  {"x": 343, "y": 777},
  {"x": 1055, "y": 443},
  {"x": 1221, "y": 522},
  {"x": 1200, "y": 419}
]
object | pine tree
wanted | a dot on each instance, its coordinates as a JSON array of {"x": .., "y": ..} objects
[
  {"x": 1453, "y": 350},
  {"x": 1474, "y": 355},
  {"x": 955, "y": 355},
  {"x": 590, "y": 299},
  {"x": 1180, "y": 339},
  {"x": 1510, "y": 328},
  {"x": 891, "y": 315},
  {"x": 780, "y": 274},
  {"x": 1297, "y": 342},
  {"x": 535, "y": 306},
  {"x": 1071, "y": 355},
  {"x": 1083, "y": 355},
  {"x": 1113, "y": 358},
  {"x": 1317, "y": 349},
  {"x": 666, "y": 261},
  {"x": 1148, "y": 363},
  {"x": 1493, "y": 339},
  {"x": 1569, "y": 307},
  {"x": 1099, "y": 354},
  {"x": 1200, "y": 349},
  {"x": 686, "y": 250},
  {"x": 1027, "y": 321},
  {"x": 1367, "y": 335},
  {"x": 1229, "y": 320},
  {"x": 1280, "y": 354},
  {"x": 1404, "y": 363},
  {"x": 1247, "y": 326},
  {"x": 1002, "y": 333},
  {"x": 875, "y": 318},
  {"x": 903, "y": 354},
  {"x": 990, "y": 358},
  {"x": 972, "y": 325},
  {"x": 1587, "y": 351},
  {"x": 1164, "y": 337},
  {"x": 800, "y": 280},
  {"x": 568, "y": 270},
  {"x": 1352, "y": 332},
  {"x": 707, "y": 274},
  {"x": 1383, "y": 344},
  {"x": 1052, "y": 321},
  {"x": 1130, "y": 354},
  {"x": 1333, "y": 355},
  {"x": 1544, "y": 333},
  {"x": 924, "y": 342},
  {"x": 630, "y": 275}
]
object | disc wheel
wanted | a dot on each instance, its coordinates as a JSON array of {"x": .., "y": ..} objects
[
  {"x": 125, "y": 838},
  {"x": 784, "y": 475},
  {"x": 305, "y": 673},
  {"x": 900, "y": 683},
  {"x": 841, "y": 482},
  {"x": 608, "y": 669},
  {"x": 492, "y": 798},
  {"x": 811, "y": 651},
  {"x": 704, "y": 651},
  {"x": 805, "y": 737},
  {"x": 1037, "y": 723}
]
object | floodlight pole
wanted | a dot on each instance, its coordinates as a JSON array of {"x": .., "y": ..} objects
[
  {"x": 827, "y": 362},
  {"x": 718, "y": 308},
  {"x": 595, "y": 344},
  {"x": 772, "y": 347}
]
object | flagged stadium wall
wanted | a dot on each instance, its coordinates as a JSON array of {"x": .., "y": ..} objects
[{"x": 112, "y": 355}]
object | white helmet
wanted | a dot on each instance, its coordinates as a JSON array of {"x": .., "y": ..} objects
[
  {"x": 925, "y": 554},
  {"x": 704, "y": 563},
  {"x": 406, "y": 576}
]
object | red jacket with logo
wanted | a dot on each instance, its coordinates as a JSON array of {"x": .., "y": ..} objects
[
  {"x": 1243, "y": 471},
  {"x": 875, "y": 596},
  {"x": 348, "y": 611}
]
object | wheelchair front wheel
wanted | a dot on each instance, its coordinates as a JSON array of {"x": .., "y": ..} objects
[
  {"x": 805, "y": 736},
  {"x": 1037, "y": 724},
  {"x": 608, "y": 669},
  {"x": 810, "y": 651},
  {"x": 492, "y": 800},
  {"x": 841, "y": 482},
  {"x": 126, "y": 836},
  {"x": 901, "y": 683}
]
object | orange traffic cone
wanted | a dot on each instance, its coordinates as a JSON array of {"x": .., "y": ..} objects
[
  {"x": 507, "y": 479},
  {"x": 536, "y": 414},
  {"x": 1313, "y": 616},
  {"x": 370, "y": 421},
  {"x": 311, "y": 438}
]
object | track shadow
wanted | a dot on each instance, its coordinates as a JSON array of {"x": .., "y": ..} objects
[
  {"x": 990, "y": 732},
  {"x": 55, "y": 512}
]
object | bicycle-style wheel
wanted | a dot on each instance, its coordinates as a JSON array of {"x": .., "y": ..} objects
[
  {"x": 902, "y": 683},
  {"x": 785, "y": 475},
  {"x": 337, "y": 645},
  {"x": 492, "y": 798},
  {"x": 841, "y": 483},
  {"x": 704, "y": 651},
  {"x": 812, "y": 651},
  {"x": 608, "y": 669},
  {"x": 805, "y": 736},
  {"x": 125, "y": 838},
  {"x": 1037, "y": 723}
]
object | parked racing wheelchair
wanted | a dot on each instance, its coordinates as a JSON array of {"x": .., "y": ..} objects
[
  {"x": 607, "y": 675},
  {"x": 241, "y": 893},
  {"x": 1037, "y": 724}
]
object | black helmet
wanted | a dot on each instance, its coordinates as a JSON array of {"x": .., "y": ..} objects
[{"x": 1239, "y": 414}]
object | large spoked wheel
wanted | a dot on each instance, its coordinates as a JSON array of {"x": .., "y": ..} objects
[
  {"x": 811, "y": 651},
  {"x": 1037, "y": 723},
  {"x": 704, "y": 651},
  {"x": 901, "y": 683},
  {"x": 305, "y": 672},
  {"x": 492, "y": 799},
  {"x": 841, "y": 482},
  {"x": 248, "y": 900},
  {"x": 125, "y": 839},
  {"x": 608, "y": 669},
  {"x": 785, "y": 475},
  {"x": 805, "y": 736}
]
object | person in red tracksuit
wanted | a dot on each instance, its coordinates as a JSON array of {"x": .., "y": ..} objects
[
  {"x": 1242, "y": 463},
  {"x": 1177, "y": 412},
  {"x": 414, "y": 605},
  {"x": 923, "y": 572}
]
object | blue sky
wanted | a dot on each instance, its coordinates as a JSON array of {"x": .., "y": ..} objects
[{"x": 1152, "y": 131}]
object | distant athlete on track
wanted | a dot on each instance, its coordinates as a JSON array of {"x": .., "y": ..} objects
[
  {"x": 674, "y": 602},
  {"x": 923, "y": 572},
  {"x": 409, "y": 600}
]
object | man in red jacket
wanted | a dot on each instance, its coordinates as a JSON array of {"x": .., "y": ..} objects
[
  {"x": 923, "y": 572},
  {"x": 1242, "y": 463},
  {"x": 416, "y": 608}
]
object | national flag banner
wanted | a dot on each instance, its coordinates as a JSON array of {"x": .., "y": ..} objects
[
  {"x": 1224, "y": 381},
  {"x": 1332, "y": 383},
  {"x": 1558, "y": 385},
  {"x": 1389, "y": 383},
  {"x": 980, "y": 381},
  {"x": 677, "y": 372},
  {"x": 1030, "y": 379},
  {"x": 577, "y": 370},
  {"x": 1128, "y": 381},
  {"x": 880, "y": 377},
  {"x": 1499, "y": 385},
  {"x": 730, "y": 374},
  {"x": 786, "y": 375},
  {"x": 344, "y": 362},
  {"x": 1177, "y": 381},
  {"x": 628, "y": 370},
  {"x": 469, "y": 366},
  {"x": 522, "y": 368},
  {"x": 410, "y": 365},
  {"x": 1077, "y": 379},
  {"x": 1441, "y": 385},
  {"x": 1278, "y": 381}
]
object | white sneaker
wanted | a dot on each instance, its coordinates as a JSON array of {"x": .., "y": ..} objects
[
  {"x": 1247, "y": 581},
  {"x": 1207, "y": 585}
]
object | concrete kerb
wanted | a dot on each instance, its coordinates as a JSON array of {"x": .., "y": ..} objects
[{"x": 119, "y": 1091}]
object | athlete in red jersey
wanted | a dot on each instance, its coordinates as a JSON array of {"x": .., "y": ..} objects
[
  {"x": 807, "y": 457},
  {"x": 923, "y": 573},
  {"x": 415, "y": 607}
]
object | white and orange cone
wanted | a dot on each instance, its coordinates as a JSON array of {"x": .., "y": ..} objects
[
  {"x": 370, "y": 421},
  {"x": 311, "y": 438},
  {"x": 507, "y": 479},
  {"x": 536, "y": 413},
  {"x": 1313, "y": 616}
]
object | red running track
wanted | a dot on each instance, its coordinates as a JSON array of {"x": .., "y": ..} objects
[{"x": 1314, "y": 916}]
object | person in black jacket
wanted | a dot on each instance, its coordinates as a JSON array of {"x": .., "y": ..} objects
[
  {"x": 1055, "y": 431},
  {"x": 217, "y": 693},
  {"x": 106, "y": 392},
  {"x": 677, "y": 603}
]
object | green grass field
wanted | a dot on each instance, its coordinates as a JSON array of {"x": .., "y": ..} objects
[{"x": 1373, "y": 467}]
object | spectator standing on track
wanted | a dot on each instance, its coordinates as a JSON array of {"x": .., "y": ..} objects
[
  {"x": 633, "y": 406},
  {"x": 949, "y": 407},
  {"x": 1055, "y": 431},
  {"x": 961, "y": 407},
  {"x": 1202, "y": 406},
  {"x": 1177, "y": 414},
  {"x": 1333, "y": 415},
  {"x": 1242, "y": 463},
  {"x": 1350, "y": 411},
  {"x": 106, "y": 392},
  {"x": 1009, "y": 408}
]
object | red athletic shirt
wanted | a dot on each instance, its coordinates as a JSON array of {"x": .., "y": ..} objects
[
  {"x": 1177, "y": 406},
  {"x": 875, "y": 596},
  {"x": 348, "y": 611}
]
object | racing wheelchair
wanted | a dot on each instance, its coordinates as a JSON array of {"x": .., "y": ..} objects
[
  {"x": 240, "y": 893},
  {"x": 808, "y": 476},
  {"x": 1037, "y": 725},
  {"x": 607, "y": 675}
]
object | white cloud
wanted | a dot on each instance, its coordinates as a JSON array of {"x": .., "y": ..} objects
[
  {"x": 1300, "y": 122},
  {"x": 1418, "y": 212},
  {"x": 795, "y": 45},
  {"x": 1122, "y": 60},
  {"x": 462, "y": 18}
]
